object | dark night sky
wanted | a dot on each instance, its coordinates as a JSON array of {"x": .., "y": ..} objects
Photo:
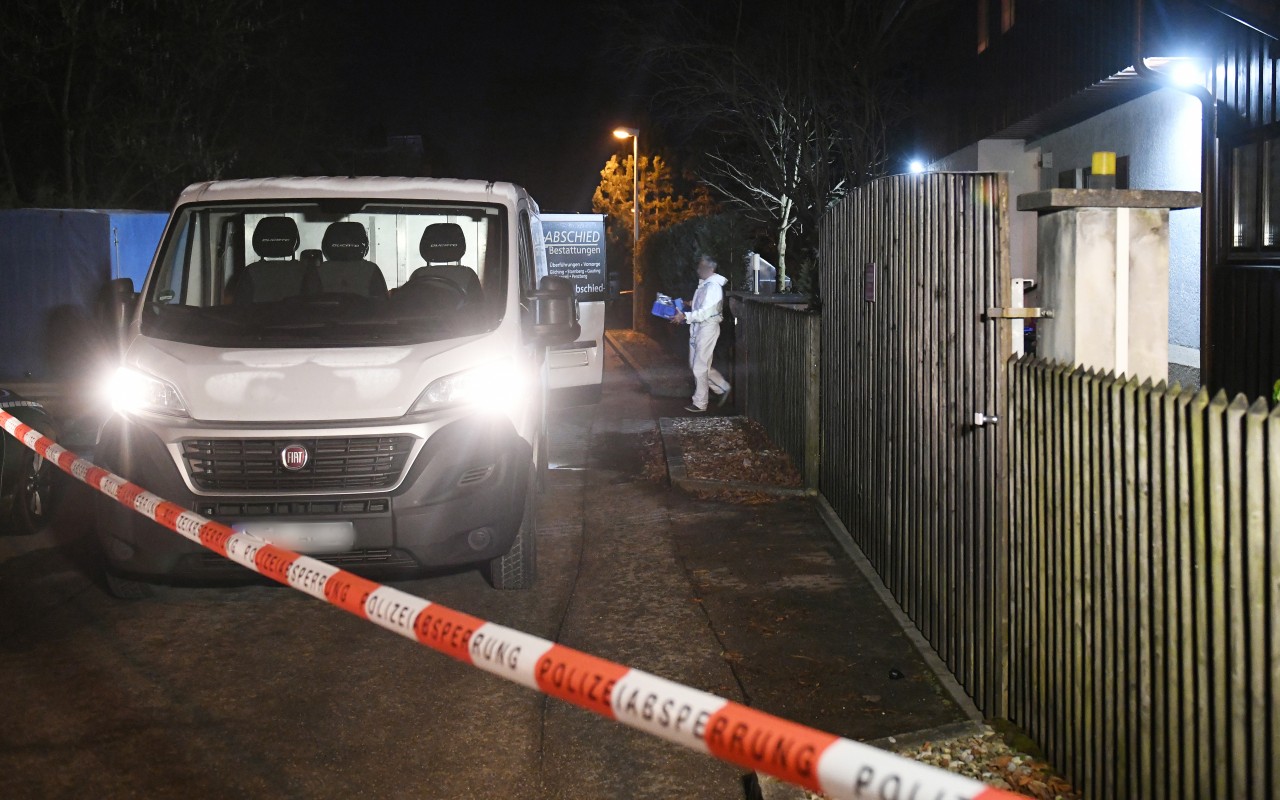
[{"x": 525, "y": 92}]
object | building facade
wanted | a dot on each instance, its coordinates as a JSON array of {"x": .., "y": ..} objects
[{"x": 1184, "y": 92}]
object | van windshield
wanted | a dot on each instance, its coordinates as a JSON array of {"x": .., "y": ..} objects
[{"x": 328, "y": 273}]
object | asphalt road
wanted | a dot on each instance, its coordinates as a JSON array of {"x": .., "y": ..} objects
[{"x": 257, "y": 691}]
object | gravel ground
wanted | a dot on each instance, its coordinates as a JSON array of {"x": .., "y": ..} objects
[
  {"x": 989, "y": 758},
  {"x": 986, "y": 757}
]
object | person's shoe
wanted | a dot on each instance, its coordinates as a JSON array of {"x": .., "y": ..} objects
[
  {"x": 692, "y": 409},
  {"x": 724, "y": 398}
]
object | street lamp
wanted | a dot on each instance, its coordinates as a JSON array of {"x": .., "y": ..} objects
[{"x": 634, "y": 135}]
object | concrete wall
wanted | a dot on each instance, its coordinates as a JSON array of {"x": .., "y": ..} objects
[
  {"x": 1022, "y": 164},
  {"x": 1160, "y": 133}
]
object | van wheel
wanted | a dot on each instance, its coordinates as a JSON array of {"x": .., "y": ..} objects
[
  {"x": 518, "y": 568},
  {"x": 123, "y": 588},
  {"x": 33, "y": 495}
]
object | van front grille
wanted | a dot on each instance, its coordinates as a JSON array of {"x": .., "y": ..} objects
[{"x": 334, "y": 463}]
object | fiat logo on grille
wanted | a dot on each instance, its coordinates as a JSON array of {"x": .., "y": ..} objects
[{"x": 294, "y": 457}]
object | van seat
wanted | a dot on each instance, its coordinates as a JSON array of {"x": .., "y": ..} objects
[
  {"x": 345, "y": 246},
  {"x": 267, "y": 280},
  {"x": 440, "y": 288}
]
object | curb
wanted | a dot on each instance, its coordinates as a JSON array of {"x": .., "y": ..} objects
[
  {"x": 680, "y": 476},
  {"x": 770, "y": 788},
  {"x": 931, "y": 658},
  {"x": 954, "y": 730}
]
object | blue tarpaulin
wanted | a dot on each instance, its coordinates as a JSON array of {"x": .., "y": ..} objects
[{"x": 53, "y": 265}]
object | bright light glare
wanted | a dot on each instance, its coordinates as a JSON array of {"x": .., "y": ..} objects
[
  {"x": 1185, "y": 73},
  {"x": 916, "y": 166},
  {"x": 624, "y": 133},
  {"x": 130, "y": 391},
  {"x": 497, "y": 388}
]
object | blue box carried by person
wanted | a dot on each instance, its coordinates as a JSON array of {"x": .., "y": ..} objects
[{"x": 666, "y": 307}]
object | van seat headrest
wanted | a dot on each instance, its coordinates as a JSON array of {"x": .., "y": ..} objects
[
  {"x": 443, "y": 241},
  {"x": 275, "y": 237},
  {"x": 345, "y": 241}
]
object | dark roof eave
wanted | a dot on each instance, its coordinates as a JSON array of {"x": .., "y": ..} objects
[
  {"x": 1256, "y": 19},
  {"x": 1102, "y": 96}
]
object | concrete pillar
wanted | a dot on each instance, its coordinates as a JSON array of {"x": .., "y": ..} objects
[{"x": 1103, "y": 262}]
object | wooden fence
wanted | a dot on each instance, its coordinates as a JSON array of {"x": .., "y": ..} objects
[
  {"x": 1145, "y": 584},
  {"x": 909, "y": 265},
  {"x": 776, "y": 376},
  {"x": 1101, "y": 566}
]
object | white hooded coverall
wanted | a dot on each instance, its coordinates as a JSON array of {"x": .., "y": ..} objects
[{"x": 704, "y": 329}]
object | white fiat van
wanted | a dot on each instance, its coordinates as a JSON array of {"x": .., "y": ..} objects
[{"x": 353, "y": 368}]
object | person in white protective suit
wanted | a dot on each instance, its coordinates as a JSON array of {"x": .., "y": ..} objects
[{"x": 704, "y": 317}]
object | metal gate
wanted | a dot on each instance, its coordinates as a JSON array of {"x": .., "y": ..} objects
[{"x": 912, "y": 379}]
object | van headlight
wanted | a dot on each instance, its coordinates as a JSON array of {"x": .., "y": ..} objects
[
  {"x": 131, "y": 391},
  {"x": 498, "y": 387}
]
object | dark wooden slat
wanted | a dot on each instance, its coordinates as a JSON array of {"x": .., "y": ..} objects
[
  {"x": 1141, "y": 596},
  {"x": 1254, "y": 600},
  {"x": 1272, "y": 775}
]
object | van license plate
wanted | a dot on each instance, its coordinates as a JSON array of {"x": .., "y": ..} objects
[{"x": 302, "y": 537}]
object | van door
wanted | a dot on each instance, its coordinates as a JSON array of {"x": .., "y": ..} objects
[{"x": 573, "y": 246}]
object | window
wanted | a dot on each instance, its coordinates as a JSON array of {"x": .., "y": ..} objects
[
  {"x": 1253, "y": 179},
  {"x": 528, "y": 280},
  {"x": 985, "y": 17},
  {"x": 984, "y": 24},
  {"x": 1271, "y": 202},
  {"x": 328, "y": 273}
]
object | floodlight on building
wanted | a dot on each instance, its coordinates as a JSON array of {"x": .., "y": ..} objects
[
  {"x": 916, "y": 166},
  {"x": 1186, "y": 73}
]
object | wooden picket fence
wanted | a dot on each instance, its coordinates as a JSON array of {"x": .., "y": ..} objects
[
  {"x": 776, "y": 376},
  {"x": 1144, "y": 584}
]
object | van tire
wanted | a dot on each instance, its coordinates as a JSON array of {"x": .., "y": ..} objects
[
  {"x": 32, "y": 496},
  {"x": 123, "y": 588},
  {"x": 518, "y": 568}
]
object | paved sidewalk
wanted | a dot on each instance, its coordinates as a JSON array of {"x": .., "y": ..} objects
[{"x": 809, "y": 632}]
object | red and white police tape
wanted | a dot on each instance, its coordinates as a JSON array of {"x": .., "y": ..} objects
[{"x": 822, "y": 762}]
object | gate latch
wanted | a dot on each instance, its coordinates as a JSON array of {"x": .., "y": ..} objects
[{"x": 1017, "y": 313}]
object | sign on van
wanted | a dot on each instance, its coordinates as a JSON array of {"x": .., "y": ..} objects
[{"x": 575, "y": 250}]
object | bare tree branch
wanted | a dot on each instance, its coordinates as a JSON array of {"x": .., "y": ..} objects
[{"x": 794, "y": 111}]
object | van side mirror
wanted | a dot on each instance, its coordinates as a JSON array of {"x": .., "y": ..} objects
[
  {"x": 115, "y": 305},
  {"x": 555, "y": 312}
]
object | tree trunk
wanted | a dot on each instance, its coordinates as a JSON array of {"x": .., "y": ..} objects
[{"x": 783, "y": 227}]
